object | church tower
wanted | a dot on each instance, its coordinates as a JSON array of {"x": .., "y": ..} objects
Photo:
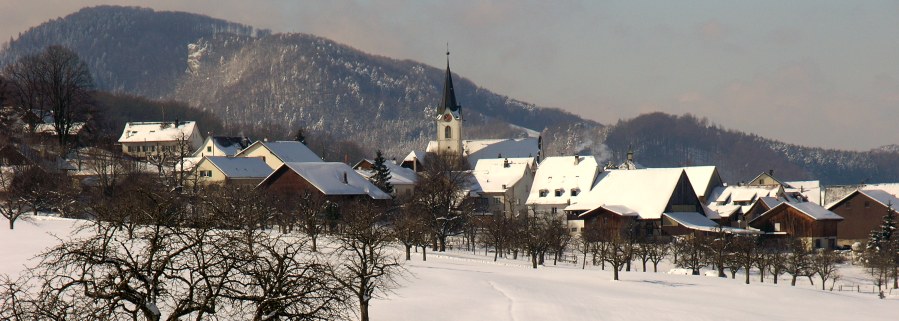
[{"x": 449, "y": 118}]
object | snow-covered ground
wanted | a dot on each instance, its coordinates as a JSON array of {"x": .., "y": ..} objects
[{"x": 463, "y": 286}]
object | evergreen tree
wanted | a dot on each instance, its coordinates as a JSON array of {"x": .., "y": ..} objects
[
  {"x": 381, "y": 178},
  {"x": 300, "y": 137},
  {"x": 880, "y": 238}
]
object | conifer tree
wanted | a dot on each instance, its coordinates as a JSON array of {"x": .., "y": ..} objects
[{"x": 381, "y": 178}]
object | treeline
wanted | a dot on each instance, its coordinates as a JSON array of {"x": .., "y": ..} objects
[{"x": 662, "y": 140}]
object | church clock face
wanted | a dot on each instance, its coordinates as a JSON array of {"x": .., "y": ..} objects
[{"x": 447, "y": 117}]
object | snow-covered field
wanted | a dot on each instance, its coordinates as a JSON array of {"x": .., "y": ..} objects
[{"x": 464, "y": 286}]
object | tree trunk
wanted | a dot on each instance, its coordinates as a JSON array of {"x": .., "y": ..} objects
[
  {"x": 762, "y": 275},
  {"x": 408, "y": 252},
  {"x": 655, "y": 267},
  {"x": 644, "y": 266},
  {"x": 363, "y": 313},
  {"x": 315, "y": 243},
  {"x": 442, "y": 243},
  {"x": 896, "y": 277},
  {"x": 747, "y": 274},
  {"x": 793, "y": 282},
  {"x": 615, "y": 274},
  {"x": 12, "y": 223},
  {"x": 584, "y": 265},
  {"x": 424, "y": 253},
  {"x": 823, "y": 282},
  {"x": 534, "y": 260}
]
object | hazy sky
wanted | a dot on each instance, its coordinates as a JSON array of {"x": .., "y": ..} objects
[{"x": 814, "y": 72}]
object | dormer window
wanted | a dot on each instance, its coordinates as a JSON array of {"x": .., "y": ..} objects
[
  {"x": 575, "y": 191},
  {"x": 543, "y": 193},
  {"x": 559, "y": 192}
]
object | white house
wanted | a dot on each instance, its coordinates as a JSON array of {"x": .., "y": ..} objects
[
  {"x": 143, "y": 139},
  {"x": 559, "y": 182},
  {"x": 505, "y": 183}
]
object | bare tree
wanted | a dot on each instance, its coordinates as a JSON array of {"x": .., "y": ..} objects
[
  {"x": 777, "y": 253},
  {"x": 411, "y": 229},
  {"x": 55, "y": 82},
  {"x": 798, "y": 262},
  {"x": 440, "y": 193},
  {"x": 691, "y": 252},
  {"x": 824, "y": 264},
  {"x": 657, "y": 250},
  {"x": 13, "y": 200},
  {"x": 719, "y": 247},
  {"x": 368, "y": 266},
  {"x": 746, "y": 251}
]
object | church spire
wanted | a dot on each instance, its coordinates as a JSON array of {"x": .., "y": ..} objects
[{"x": 449, "y": 94}]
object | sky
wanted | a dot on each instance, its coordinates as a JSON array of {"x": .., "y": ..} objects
[{"x": 810, "y": 72}]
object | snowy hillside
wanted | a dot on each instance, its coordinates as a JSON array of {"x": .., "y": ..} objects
[{"x": 464, "y": 286}]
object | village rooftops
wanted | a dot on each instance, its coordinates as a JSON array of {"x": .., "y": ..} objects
[
  {"x": 333, "y": 178},
  {"x": 138, "y": 132},
  {"x": 645, "y": 192},
  {"x": 561, "y": 180},
  {"x": 884, "y": 198},
  {"x": 497, "y": 175},
  {"x": 812, "y": 210},
  {"x": 240, "y": 167},
  {"x": 478, "y": 149}
]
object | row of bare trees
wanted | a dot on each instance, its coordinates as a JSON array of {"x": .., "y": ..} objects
[
  {"x": 777, "y": 256},
  {"x": 153, "y": 251}
]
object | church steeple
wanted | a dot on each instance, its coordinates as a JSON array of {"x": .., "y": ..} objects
[{"x": 449, "y": 94}]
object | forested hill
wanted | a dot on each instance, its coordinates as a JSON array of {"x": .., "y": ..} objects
[
  {"x": 272, "y": 84},
  {"x": 665, "y": 140},
  {"x": 265, "y": 84}
]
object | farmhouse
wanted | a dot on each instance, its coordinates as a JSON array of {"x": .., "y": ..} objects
[
  {"x": 146, "y": 139},
  {"x": 862, "y": 212},
  {"x": 806, "y": 221},
  {"x": 336, "y": 182},
  {"x": 277, "y": 153}
]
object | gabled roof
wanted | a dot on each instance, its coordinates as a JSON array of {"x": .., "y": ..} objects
[
  {"x": 229, "y": 145},
  {"x": 810, "y": 209},
  {"x": 477, "y": 149},
  {"x": 694, "y": 221},
  {"x": 645, "y": 191},
  {"x": 239, "y": 167},
  {"x": 328, "y": 177},
  {"x": 415, "y": 155},
  {"x": 398, "y": 175},
  {"x": 701, "y": 177},
  {"x": 766, "y": 174},
  {"x": 884, "y": 198},
  {"x": 565, "y": 173},
  {"x": 137, "y": 132},
  {"x": 286, "y": 151},
  {"x": 495, "y": 177}
]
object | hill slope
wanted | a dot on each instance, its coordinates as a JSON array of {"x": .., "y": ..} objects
[{"x": 269, "y": 85}]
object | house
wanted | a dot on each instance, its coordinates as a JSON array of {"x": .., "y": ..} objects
[
  {"x": 402, "y": 179},
  {"x": 505, "y": 183},
  {"x": 414, "y": 161},
  {"x": 806, "y": 221},
  {"x": 277, "y": 153},
  {"x": 146, "y": 139},
  {"x": 766, "y": 179},
  {"x": 336, "y": 182},
  {"x": 222, "y": 146},
  {"x": 231, "y": 170},
  {"x": 643, "y": 196},
  {"x": 862, "y": 212},
  {"x": 559, "y": 182}
]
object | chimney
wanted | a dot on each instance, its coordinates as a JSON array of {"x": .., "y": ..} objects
[
  {"x": 577, "y": 159},
  {"x": 506, "y": 163},
  {"x": 630, "y": 155},
  {"x": 771, "y": 173},
  {"x": 345, "y": 178}
]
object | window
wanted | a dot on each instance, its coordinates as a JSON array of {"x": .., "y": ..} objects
[
  {"x": 145, "y": 148},
  {"x": 543, "y": 193},
  {"x": 573, "y": 229},
  {"x": 554, "y": 210},
  {"x": 209, "y": 149},
  {"x": 777, "y": 227},
  {"x": 447, "y": 132},
  {"x": 575, "y": 191},
  {"x": 818, "y": 243},
  {"x": 559, "y": 192}
]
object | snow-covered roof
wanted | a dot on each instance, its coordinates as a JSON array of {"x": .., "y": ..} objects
[
  {"x": 811, "y": 190},
  {"x": 694, "y": 221},
  {"x": 288, "y": 151},
  {"x": 415, "y": 154},
  {"x": 884, "y": 198},
  {"x": 328, "y": 177},
  {"x": 479, "y": 149},
  {"x": 49, "y": 129},
  {"x": 229, "y": 145},
  {"x": 136, "y": 132},
  {"x": 495, "y": 177},
  {"x": 742, "y": 193},
  {"x": 645, "y": 191},
  {"x": 563, "y": 173},
  {"x": 240, "y": 167},
  {"x": 813, "y": 210},
  {"x": 700, "y": 177},
  {"x": 398, "y": 175}
]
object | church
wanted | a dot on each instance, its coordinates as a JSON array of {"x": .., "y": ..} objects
[{"x": 449, "y": 121}]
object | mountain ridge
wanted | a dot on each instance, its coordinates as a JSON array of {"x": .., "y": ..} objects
[{"x": 271, "y": 84}]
